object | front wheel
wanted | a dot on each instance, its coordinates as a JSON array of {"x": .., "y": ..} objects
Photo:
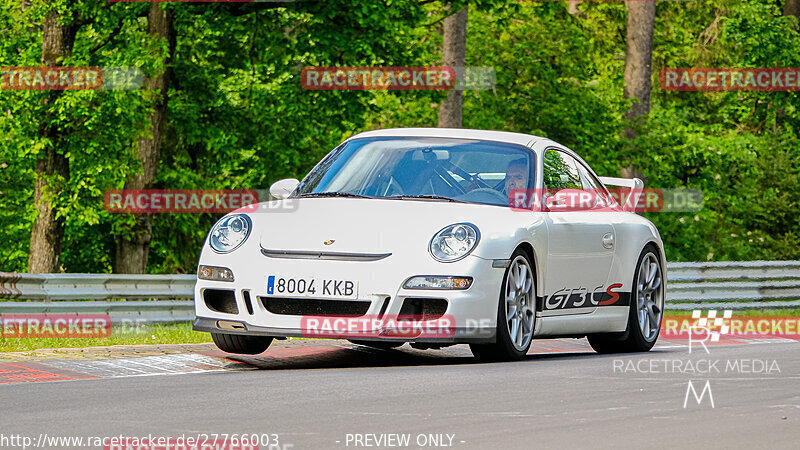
[
  {"x": 515, "y": 314},
  {"x": 241, "y": 344},
  {"x": 646, "y": 309}
]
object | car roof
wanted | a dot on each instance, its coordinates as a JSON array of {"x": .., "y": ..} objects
[{"x": 498, "y": 136}]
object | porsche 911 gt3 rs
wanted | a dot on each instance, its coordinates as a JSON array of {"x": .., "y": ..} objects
[{"x": 437, "y": 237}]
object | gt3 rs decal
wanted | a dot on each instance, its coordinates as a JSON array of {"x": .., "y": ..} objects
[
  {"x": 582, "y": 297},
  {"x": 613, "y": 296}
]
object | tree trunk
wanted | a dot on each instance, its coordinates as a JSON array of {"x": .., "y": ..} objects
[
  {"x": 638, "y": 59},
  {"x": 638, "y": 69},
  {"x": 52, "y": 167},
  {"x": 573, "y": 8},
  {"x": 791, "y": 8},
  {"x": 454, "y": 55},
  {"x": 133, "y": 247}
]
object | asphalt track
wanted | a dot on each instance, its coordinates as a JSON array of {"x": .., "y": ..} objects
[{"x": 322, "y": 394}]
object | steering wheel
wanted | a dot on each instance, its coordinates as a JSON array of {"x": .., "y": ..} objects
[
  {"x": 489, "y": 194},
  {"x": 467, "y": 176}
]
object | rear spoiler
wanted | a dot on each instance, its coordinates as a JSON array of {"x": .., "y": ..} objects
[
  {"x": 632, "y": 183},
  {"x": 636, "y": 186}
]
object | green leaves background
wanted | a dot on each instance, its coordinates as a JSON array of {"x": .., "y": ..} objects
[{"x": 238, "y": 117}]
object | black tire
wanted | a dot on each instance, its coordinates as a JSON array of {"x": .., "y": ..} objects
[
  {"x": 503, "y": 349},
  {"x": 387, "y": 345},
  {"x": 632, "y": 339},
  {"x": 241, "y": 344}
]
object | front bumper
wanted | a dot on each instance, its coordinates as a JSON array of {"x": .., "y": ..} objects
[{"x": 472, "y": 312}]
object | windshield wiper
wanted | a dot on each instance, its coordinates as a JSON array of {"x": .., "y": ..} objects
[
  {"x": 334, "y": 194},
  {"x": 427, "y": 197}
]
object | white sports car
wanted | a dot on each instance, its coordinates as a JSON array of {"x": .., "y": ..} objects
[{"x": 436, "y": 237}]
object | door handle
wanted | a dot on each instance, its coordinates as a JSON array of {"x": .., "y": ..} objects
[{"x": 608, "y": 240}]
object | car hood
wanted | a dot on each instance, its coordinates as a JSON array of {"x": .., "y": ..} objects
[{"x": 355, "y": 225}]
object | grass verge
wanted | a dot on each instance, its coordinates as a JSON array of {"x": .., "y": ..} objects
[
  {"x": 182, "y": 334},
  {"x": 153, "y": 334}
]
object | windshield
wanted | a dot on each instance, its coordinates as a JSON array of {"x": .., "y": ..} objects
[{"x": 466, "y": 170}]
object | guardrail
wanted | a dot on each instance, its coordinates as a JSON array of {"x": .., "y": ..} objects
[
  {"x": 116, "y": 295},
  {"x": 718, "y": 285},
  {"x": 733, "y": 285}
]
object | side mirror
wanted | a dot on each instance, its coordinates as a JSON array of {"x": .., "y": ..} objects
[{"x": 282, "y": 189}]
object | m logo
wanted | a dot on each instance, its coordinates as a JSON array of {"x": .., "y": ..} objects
[
  {"x": 699, "y": 399},
  {"x": 329, "y": 242}
]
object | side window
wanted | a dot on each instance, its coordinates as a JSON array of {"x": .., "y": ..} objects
[
  {"x": 592, "y": 184},
  {"x": 560, "y": 171}
]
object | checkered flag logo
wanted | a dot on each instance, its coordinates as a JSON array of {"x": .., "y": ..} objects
[{"x": 715, "y": 325}]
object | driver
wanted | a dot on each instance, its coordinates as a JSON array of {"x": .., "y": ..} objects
[{"x": 516, "y": 176}]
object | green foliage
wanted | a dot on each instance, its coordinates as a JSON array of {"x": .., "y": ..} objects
[
  {"x": 238, "y": 117},
  {"x": 739, "y": 148}
]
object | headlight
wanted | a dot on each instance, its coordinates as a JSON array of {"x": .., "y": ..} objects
[
  {"x": 214, "y": 273},
  {"x": 454, "y": 242},
  {"x": 229, "y": 233},
  {"x": 438, "y": 282}
]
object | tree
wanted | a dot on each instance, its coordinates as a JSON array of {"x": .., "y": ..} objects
[
  {"x": 791, "y": 8},
  {"x": 133, "y": 246},
  {"x": 638, "y": 58},
  {"x": 638, "y": 68},
  {"x": 52, "y": 166},
  {"x": 454, "y": 50}
]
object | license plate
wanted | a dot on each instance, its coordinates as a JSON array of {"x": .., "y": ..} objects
[{"x": 282, "y": 286}]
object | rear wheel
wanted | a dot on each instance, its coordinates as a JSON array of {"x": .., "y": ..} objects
[
  {"x": 387, "y": 345},
  {"x": 515, "y": 313},
  {"x": 646, "y": 309},
  {"x": 241, "y": 344}
]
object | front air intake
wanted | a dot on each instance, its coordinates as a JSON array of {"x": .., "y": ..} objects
[
  {"x": 314, "y": 307},
  {"x": 423, "y": 308},
  {"x": 220, "y": 300}
]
